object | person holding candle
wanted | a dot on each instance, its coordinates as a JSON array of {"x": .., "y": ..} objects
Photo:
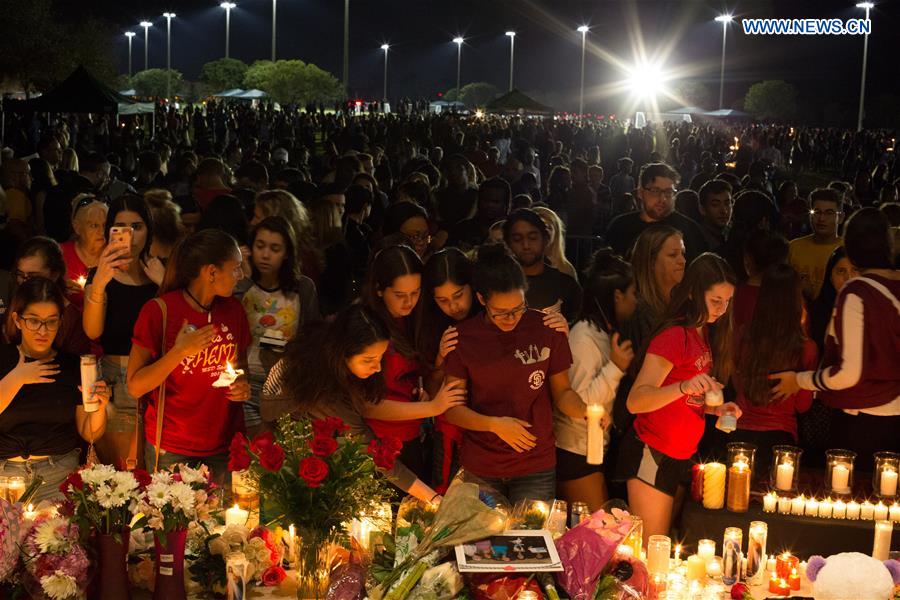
[
  {"x": 205, "y": 330},
  {"x": 83, "y": 251},
  {"x": 860, "y": 375},
  {"x": 690, "y": 354},
  {"x": 42, "y": 419},
  {"x": 600, "y": 358}
]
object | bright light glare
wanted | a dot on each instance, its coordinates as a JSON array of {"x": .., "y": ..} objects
[
  {"x": 724, "y": 18},
  {"x": 511, "y": 33},
  {"x": 385, "y": 47},
  {"x": 645, "y": 81},
  {"x": 169, "y": 15},
  {"x": 146, "y": 24},
  {"x": 865, "y": 5},
  {"x": 228, "y": 5},
  {"x": 584, "y": 29},
  {"x": 458, "y": 40},
  {"x": 130, "y": 34}
]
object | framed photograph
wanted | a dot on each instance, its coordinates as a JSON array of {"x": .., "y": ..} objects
[{"x": 516, "y": 550}]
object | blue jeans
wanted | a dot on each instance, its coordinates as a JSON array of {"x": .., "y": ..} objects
[
  {"x": 536, "y": 486},
  {"x": 217, "y": 463},
  {"x": 53, "y": 469}
]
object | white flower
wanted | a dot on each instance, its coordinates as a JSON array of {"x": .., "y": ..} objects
[
  {"x": 159, "y": 494},
  {"x": 182, "y": 497},
  {"x": 59, "y": 586},
  {"x": 191, "y": 476},
  {"x": 125, "y": 481},
  {"x": 218, "y": 546},
  {"x": 48, "y": 536},
  {"x": 161, "y": 477},
  {"x": 98, "y": 474},
  {"x": 235, "y": 536}
]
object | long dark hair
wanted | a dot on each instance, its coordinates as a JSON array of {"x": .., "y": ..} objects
[
  {"x": 49, "y": 250},
  {"x": 191, "y": 254},
  {"x": 33, "y": 291},
  {"x": 316, "y": 361},
  {"x": 389, "y": 264},
  {"x": 135, "y": 204},
  {"x": 687, "y": 308},
  {"x": 289, "y": 273},
  {"x": 607, "y": 273},
  {"x": 447, "y": 265},
  {"x": 821, "y": 308},
  {"x": 773, "y": 341}
]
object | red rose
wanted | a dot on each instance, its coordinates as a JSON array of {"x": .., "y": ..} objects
[
  {"x": 273, "y": 576},
  {"x": 262, "y": 441},
  {"x": 328, "y": 426},
  {"x": 337, "y": 424},
  {"x": 272, "y": 457},
  {"x": 323, "y": 446},
  {"x": 143, "y": 478},
  {"x": 313, "y": 470},
  {"x": 392, "y": 443},
  {"x": 74, "y": 480},
  {"x": 384, "y": 452},
  {"x": 238, "y": 457},
  {"x": 740, "y": 591}
]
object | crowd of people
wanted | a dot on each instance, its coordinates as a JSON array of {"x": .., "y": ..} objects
[{"x": 463, "y": 286}]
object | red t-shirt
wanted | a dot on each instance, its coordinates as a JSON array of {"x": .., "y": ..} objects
[
  {"x": 75, "y": 268},
  {"x": 507, "y": 375},
  {"x": 198, "y": 420},
  {"x": 401, "y": 377},
  {"x": 676, "y": 428},
  {"x": 744, "y": 304}
]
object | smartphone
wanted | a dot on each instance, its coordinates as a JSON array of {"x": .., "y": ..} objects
[{"x": 121, "y": 236}]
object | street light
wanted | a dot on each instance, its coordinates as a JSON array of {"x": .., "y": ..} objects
[
  {"x": 645, "y": 81},
  {"x": 227, "y": 6},
  {"x": 130, "y": 36},
  {"x": 724, "y": 20},
  {"x": 274, "y": 3},
  {"x": 583, "y": 31},
  {"x": 862, "y": 85},
  {"x": 512, "y": 52},
  {"x": 169, "y": 16},
  {"x": 385, "y": 47},
  {"x": 146, "y": 25},
  {"x": 459, "y": 42}
]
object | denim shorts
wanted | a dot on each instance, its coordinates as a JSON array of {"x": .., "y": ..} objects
[
  {"x": 53, "y": 469},
  {"x": 535, "y": 486}
]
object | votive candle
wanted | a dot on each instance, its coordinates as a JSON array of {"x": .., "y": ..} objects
[
  {"x": 236, "y": 516},
  {"x": 658, "y": 551},
  {"x": 867, "y": 511},
  {"x": 881, "y": 512},
  {"x": 798, "y": 505},
  {"x": 839, "y": 510},
  {"x": 706, "y": 549},
  {"x": 853, "y": 510},
  {"x": 770, "y": 502},
  {"x": 784, "y": 505},
  {"x": 825, "y": 508},
  {"x": 696, "y": 568},
  {"x": 784, "y": 477},
  {"x": 895, "y": 512},
  {"x": 794, "y": 579},
  {"x": 812, "y": 507},
  {"x": 888, "y": 485}
]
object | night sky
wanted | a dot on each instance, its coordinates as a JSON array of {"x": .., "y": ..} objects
[{"x": 423, "y": 60}]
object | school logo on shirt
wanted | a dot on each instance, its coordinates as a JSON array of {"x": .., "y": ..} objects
[
  {"x": 212, "y": 359},
  {"x": 532, "y": 355},
  {"x": 536, "y": 379}
]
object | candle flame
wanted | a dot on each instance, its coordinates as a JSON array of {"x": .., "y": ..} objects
[
  {"x": 81, "y": 281},
  {"x": 229, "y": 369},
  {"x": 30, "y": 507}
]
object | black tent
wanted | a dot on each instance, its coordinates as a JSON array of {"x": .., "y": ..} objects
[
  {"x": 81, "y": 92},
  {"x": 517, "y": 102}
]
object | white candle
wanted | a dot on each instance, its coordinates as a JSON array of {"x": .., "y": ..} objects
[
  {"x": 825, "y": 509},
  {"x": 706, "y": 549},
  {"x": 798, "y": 504},
  {"x": 770, "y": 564},
  {"x": 881, "y": 512},
  {"x": 888, "y": 482},
  {"x": 881, "y": 548},
  {"x": 867, "y": 511},
  {"x": 30, "y": 513},
  {"x": 770, "y": 502},
  {"x": 236, "y": 516},
  {"x": 852, "y": 510},
  {"x": 714, "y": 568},
  {"x": 625, "y": 550},
  {"x": 895, "y": 512},
  {"x": 812, "y": 507},
  {"x": 784, "y": 505},
  {"x": 292, "y": 543},
  {"x": 594, "y": 434},
  {"x": 784, "y": 477},
  {"x": 839, "y": 510},
  {"x": 840, "y": 478}
]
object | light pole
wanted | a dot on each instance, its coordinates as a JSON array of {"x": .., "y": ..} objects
[
  {"x": 130, "y": 36},
  {"x": 385, "y": 47},
  {"x": 459, "y": 42},
  {"x": 583, "y": 31},
  {"x": 169, "y": 16},
  {"x": 862, "y": 85},
  {"x": 146, "y": 25},
  {"x": 512, "y": 53},
  {"x": 274, "y": 7},
  {"x": 227, "y": 6},
  {"x": 346, "y": 46},
  {"x": 724, "y": 20}
]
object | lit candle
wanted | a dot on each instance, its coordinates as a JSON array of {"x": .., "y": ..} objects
[
  {"x": 16, "y": 489},
  {"x": 677, "y": 554},
  {"x": 770, "y": 564},
  {"x": 658, "y": 550},
  {"x": 696, "y": 568},
  {"x": 853, "y": 510},
  {"x": 731, "y": 555},
  {"x": 595, "y": 413},
  {"x": 784, "y": 505},
  {"x": 236, "y": 516},
  {"x": 770, "y": 502},
  {"x": 881, "y": 547},
  {"x": 714, "y": 568},
  {"x": 625, "y": 550},
  {"x": 30, "y": 513},
  {"x": 228, "y": 376},
  {"x": 798, "y": 505},
  {"x": 895, "y": 512},
  {"x": 839, "y": 510},
  {"x": 292, "y": 543},
  {"x": 706, "y": 549},
  {"x": 794, "y": 579},
  {"x": 881, "y": 512},
  {"x": 840, "y": 478},
  {"x": 784, "y": 477},
  {"x": 756, "y": 553},
  {"x": 812, "y": 507},
  {"x": 825, "y": 508},
  {"x": 785, "y": 563},
  {"x": 888, "y": 487},
  {"x": 714, "y": 486},
  {"x": 867, "y": 511},
  {"x": 81, "y": 281}
]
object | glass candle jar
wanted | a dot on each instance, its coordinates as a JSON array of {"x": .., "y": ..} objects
[
  {"x": 15, "y": 489},
  {"x": 4, "y": 487},
  {"x": 785, "y": 468},
  {"x": 884, "y": 479},
  {"x": 839, "y": 471},
  {"x": 659, "y": 549},
  {"x": 635, "y": 538},
  {"x": 740, "y": 475}
]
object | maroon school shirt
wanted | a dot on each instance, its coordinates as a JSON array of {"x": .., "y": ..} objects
[
  {"x": 507, "y": 374},
  {"x": 401, "y": 378}
]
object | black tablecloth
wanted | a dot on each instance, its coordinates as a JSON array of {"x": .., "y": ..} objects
[{"x": 803, "y": 536}]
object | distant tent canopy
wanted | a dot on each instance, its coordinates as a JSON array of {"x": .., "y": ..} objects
[
  {"x": 229, "y": 93},
  {"x": 688, "y": 110},
  {"x": 517, "y": 102},
  {"x": 81, "y": 92},
  {"x": 728, "y": 113},
  {"x": 138, "y": 108}
]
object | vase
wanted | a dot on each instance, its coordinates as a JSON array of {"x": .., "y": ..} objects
[
  {"x": 169, "y": 571},
  {"x": 313, "y": 554},
  {"x": 111, "y": 582}
]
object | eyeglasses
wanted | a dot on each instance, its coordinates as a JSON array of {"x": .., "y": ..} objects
[
  {"x": 668, "y": 193},
  {"x": 35, "y": 324},
  {"x": 507, "y": 316},
  {"x": 419, "y": 237},
  {"x": 830, "y": 213}
]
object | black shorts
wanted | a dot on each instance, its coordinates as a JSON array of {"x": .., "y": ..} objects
[
  {"x": 639, "y": 461},
  {"x": 570, "y": 465}
]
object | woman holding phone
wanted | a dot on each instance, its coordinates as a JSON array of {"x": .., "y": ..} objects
[{"x": 120, "y": 280}]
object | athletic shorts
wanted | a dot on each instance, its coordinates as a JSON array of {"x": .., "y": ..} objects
[{"x": 639, "y": 461}]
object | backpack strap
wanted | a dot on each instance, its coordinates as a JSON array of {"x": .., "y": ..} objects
[{"x": 161, "y": 399}]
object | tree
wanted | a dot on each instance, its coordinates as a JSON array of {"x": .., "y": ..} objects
[
  {"x": 152, "y": 82},
  {"x": 477, "y": 93},
  {"x": 224, "y": 74},
  {"x": 772, "y": 100},
  {"x": 257, "y": 74},
  {"x": 293, "y": 82}
]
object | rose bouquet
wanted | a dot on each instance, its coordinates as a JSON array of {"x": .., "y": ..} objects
[
  {"x": 56, "y": 563},
  {"x": 103, "y": 499},
  {"x": 259, "y": 549},
  {"x": 173, "y": 499}
]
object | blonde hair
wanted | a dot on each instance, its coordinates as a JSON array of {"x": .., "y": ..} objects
[
  {"x": 556, "y": 247},
  {"x": 643, "y": 260},
  {"x": 281, "y": 203}
]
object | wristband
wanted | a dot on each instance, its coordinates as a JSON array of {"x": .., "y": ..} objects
[{"x": 89, "y": 298}]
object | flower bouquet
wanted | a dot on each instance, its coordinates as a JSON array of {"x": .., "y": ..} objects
[
  {"x": 309, "y": 478},
  {"x": 56, "y": 564},
  {"x": 259, "y": 549}
]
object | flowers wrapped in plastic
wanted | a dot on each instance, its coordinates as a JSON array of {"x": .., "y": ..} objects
[
  {"x": 55, "y": 561},
  {"x": 586, "y": 549}
]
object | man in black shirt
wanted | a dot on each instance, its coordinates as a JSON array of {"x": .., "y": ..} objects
[
  {"x": 656, "y": 199},
  {"x": 549, "y": 290}
]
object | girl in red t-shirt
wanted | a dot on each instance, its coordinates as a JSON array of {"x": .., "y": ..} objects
[
  {"x": 206, "y": 329},
  {"x": 667, "y": 396}
]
